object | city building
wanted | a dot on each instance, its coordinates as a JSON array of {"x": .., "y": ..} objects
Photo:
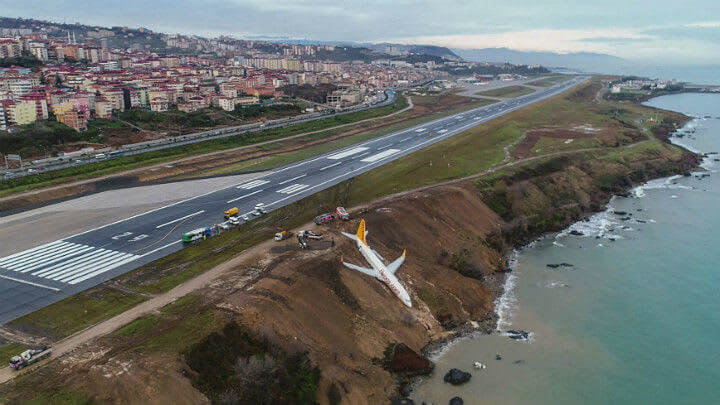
[
  {"x": 3, "y": 124},
  {"x": 74, "y": 120},
  {"x": 20, "y": 112}
]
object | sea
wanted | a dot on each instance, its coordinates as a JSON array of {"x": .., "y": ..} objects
[{"x": 633, "y": 317}]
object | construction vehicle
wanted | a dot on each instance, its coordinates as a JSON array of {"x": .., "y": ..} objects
[
  {"x": 29, "y": 357},
  {"x": 342, "y": 213},
  {"x": 197, "y": 234},
  {"x": 282, "y": 235},
  {"x": 231, "y": 212},
  {"x": 304, "y": 235}
]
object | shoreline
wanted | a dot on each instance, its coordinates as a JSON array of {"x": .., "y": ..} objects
[{"x": 506, "y": 297}]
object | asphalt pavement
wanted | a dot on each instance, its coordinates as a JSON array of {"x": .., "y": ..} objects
[{"x": 41, "y": 275}]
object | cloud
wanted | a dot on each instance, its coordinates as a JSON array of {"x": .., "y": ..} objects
[
  {"x": 561, "y": 41},
  {"x": 617, "y": 40},
  {"x": 707, "y": 24}
]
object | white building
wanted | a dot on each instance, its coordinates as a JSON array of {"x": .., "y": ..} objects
[
  {"x": 39, "y": 51},
  {"x": 3, "y": 126}
]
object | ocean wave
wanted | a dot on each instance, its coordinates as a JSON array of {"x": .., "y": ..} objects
[
  {"x": 597, "y": 225},
  {"x": 506, "y": 302},
  {"x": 664, "y": 183},
  {"x": 556, "y": 284}
]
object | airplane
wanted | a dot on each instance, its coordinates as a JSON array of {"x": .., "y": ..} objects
[{"x": 379, "y": 270}]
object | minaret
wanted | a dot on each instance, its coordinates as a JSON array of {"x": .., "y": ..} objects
[
  {"x": 68, "y": 36},
  {"x": 74, "y": 40}
]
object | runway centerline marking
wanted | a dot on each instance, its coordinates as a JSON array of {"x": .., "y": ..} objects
[
  {"x": 180, "y": 219},
  {"x": 332, "y": 165},
  {"x": 293, "y": 179},
  {"x": 243, "y": 196}
]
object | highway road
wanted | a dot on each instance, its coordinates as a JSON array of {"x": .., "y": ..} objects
[{"x": 41, "y": 275}]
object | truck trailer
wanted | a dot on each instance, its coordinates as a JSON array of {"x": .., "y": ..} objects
[{"x": 29, "y": 357}]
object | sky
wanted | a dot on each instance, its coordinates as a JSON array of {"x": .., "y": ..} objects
[{"x": 646, "y": 31}]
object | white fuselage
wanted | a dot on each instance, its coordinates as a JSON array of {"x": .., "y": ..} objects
[{"x": 385, "y": 276}]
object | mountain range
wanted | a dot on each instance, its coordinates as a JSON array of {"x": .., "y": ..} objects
[{"x": 585, "y": 61}]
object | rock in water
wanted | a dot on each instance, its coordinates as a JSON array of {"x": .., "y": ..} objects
[
  {"x": 457, "y": 401},
  {"x": 456, "y": 377},
  {"x": 576, "y": 233},
  {"x": 518, "y": 334}
]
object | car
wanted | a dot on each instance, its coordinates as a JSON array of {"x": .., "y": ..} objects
[{"x": 324, "y": 218}]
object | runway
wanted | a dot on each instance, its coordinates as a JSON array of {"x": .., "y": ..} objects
[{"x": 41, "y": 275}]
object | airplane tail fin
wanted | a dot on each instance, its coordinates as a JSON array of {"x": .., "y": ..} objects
[{"x": 361, "y": 232}]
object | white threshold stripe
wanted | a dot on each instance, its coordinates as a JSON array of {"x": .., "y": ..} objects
[
  {"x": 180, "y": 219},
  {"x": 31, "y": 255},
  {"x": 385, "y": 147},
  {"x": 40, "y": 255},
  {"x": 18, "y": 280},
  {"x": 243, "y": 196},
  {"x": 100, "y": 271},
  {"x": 332, "y": 165},
  {"x": 42, "y": 260},
  {"x": 294, "y": 178},
  {"x": 108, "y": 262},
  {"x": 60, "y": 258},
  {"x": 27, "y": 252},
  {"x": 59, "y": 266},
  {"x": 89, "y": 266},
  {"x": 81, "y": 261}
]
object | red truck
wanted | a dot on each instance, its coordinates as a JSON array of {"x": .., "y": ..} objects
[{"x": 323, "y": 218}]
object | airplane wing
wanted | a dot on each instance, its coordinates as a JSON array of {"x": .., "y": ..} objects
[
  {"x": 394, "y": 266},
  {"x": 369, "y": 272}
]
